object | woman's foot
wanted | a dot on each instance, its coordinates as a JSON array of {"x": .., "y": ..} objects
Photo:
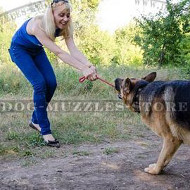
[
  {"x": 51, "y": 141},
  {"x": 34, "y": 126},
  {"x": 48, "y": 137}
]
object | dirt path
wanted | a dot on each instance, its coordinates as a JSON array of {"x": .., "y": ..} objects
[{"x": 122, "y": 170}]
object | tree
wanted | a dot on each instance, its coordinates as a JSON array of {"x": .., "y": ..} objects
[
  {"x": 127, "y": 52},
  {"x": 162, "y": 34}
]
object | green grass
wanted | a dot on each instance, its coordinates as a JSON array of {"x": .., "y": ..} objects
[
  {"x": 81, "y": 153},
  {"x": 110, "y": 150},
  {"x": 71, "y": 128},
  {"x": 13, "y": 83}
]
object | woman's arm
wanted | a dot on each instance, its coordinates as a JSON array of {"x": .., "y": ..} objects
[
  {"x": 63, "y": 55},
  {"x": 75, "y": 51}
]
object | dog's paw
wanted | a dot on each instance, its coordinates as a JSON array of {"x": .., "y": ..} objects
[{"x": 152, "y": 169}]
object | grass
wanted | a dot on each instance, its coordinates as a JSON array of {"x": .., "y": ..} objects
[
  {"x": 71, "y": 128},
  {"x": 13, "y": 83},
  {"x": 81, "y": 153},
  {"x": 110, "y": 150}
]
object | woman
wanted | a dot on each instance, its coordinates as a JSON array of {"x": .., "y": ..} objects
[{"x": 27, "y": 52}]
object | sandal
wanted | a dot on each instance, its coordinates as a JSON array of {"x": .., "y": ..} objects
[
  {"x": 54, "y": 143},
  {"x": 32, "y": 126}
]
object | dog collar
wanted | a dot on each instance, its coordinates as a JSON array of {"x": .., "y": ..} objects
[{"x": 137, "y": 91}]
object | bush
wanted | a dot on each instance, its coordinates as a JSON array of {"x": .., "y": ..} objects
[{"x": 98, "y": 46}]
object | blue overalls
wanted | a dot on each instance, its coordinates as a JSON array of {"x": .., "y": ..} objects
[{"x": 28, "y": 54}]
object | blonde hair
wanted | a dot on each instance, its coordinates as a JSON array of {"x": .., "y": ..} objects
[{"x": 48, "y": 23}]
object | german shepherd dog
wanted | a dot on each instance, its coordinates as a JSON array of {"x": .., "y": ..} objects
[{"x": 164, "y": 106}]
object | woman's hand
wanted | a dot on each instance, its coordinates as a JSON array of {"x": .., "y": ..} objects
[
  {"x": 93, "y": 76},
  {"x": 90, "y": 73}
]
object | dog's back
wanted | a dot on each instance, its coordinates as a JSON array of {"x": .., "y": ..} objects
[{"x": 168, "y": 103}]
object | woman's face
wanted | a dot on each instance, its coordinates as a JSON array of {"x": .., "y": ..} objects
[{"x": 61, "y": 16}]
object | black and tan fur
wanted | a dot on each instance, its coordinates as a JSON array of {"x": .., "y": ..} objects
[{"x": 164, "y": 107}]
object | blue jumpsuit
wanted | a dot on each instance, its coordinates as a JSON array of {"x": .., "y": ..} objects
[{"x": 29, "y": 55}]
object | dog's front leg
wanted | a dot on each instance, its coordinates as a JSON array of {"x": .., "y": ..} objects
[{"x": 170, "y": 146}]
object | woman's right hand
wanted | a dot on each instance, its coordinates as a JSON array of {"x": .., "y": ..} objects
[{"x": 89, "y": 71}]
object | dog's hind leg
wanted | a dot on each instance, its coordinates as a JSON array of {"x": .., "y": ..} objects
[{"x": 170, "y": 146}]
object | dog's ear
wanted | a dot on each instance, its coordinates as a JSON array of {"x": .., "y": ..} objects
[
  {"x": 127, "y": 85},
  {"x": 150, "y": 77}
]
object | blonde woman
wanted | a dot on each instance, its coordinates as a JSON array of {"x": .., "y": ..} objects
[{"x": 27, "y": 52}]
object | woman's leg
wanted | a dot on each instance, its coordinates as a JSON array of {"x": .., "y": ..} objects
[
  {"x": 45, "y": 68},
  {"x": 27, "y": 65}
]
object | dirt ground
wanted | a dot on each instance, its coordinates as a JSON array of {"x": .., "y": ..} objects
[{"x": 122, "y": 170}]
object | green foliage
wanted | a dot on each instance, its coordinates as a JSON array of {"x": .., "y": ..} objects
[
  {"x": 185, "y": 42},
  {"x": 6, "y": 32},
  {"x": 93, "y": 4},
  {"x": 83, "y": 14},
  {"x": 127, "y": 53},
  {"x": 98, "y": 46},
  {"x": 162, "y": 34},
  {"x": 51, "y": 56},
  {"x": 185, "y": 48}
]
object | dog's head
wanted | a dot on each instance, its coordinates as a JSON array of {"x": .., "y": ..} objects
[{"x": 125, "y": 87}]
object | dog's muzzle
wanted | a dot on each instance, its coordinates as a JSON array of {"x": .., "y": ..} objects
[{"x": 118, "y": 82}]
